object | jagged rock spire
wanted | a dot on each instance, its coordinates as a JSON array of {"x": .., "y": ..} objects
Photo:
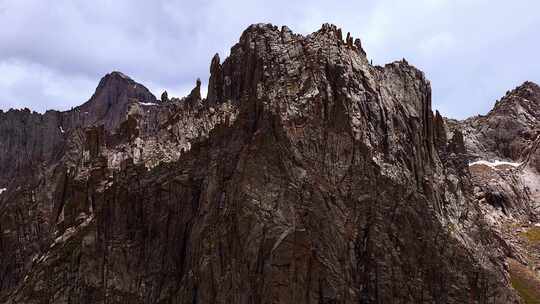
[
  {"x": 439, "y": 133},
  {"x": 164, "y": 96},
  {"x": 215, "y": 83},
  {"x": 195, "y": 94}
]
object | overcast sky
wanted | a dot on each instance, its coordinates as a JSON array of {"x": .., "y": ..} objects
[{"x": 53, "y": 53}]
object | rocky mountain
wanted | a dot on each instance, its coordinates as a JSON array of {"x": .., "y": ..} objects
[
  {"x": 30, "y": 139},
  {"x": 508, "y": 130},
  {"x": 307, "y": 175}
]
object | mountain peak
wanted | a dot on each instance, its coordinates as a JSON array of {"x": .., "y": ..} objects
[
  {"x": 526, "y": 95},
  {"x": 530, "y": 84},
  {"x": 114, "y": 76},
  {"x": 118, "y": 76},
  {"x": 109, "y": 103},
  {"x": 507, "y": 130},
  {"x": 527, "y": 89},
  {"x": 327, "y": 30}
]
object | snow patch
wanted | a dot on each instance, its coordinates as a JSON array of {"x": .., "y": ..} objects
[
  {"x": 494, "y": 164},
  {"x": 61, "y": 129},
  {"x": 2, "y": 190},
  {"x": 148, "y": 104}
]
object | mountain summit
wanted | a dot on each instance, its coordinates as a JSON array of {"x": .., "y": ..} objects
[
  {"x": 307, "y": 176},
  {"x": 110, "y": 102}
]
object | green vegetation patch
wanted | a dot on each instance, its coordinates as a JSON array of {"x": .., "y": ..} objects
[
  {"x": 525, "y": 283},
  {"x": 533, "y": 235}
]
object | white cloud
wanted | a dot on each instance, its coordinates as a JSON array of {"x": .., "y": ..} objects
[
  {"x": 39, "y": 88},
  {"x": 439, "y": 43}
]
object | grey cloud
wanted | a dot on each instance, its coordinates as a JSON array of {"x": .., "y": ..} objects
[{"x": 472, "y": 51}]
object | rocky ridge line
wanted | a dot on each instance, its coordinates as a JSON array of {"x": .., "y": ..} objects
[{"x": 307, "y": 175}]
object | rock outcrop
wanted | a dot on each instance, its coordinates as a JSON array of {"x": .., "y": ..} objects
[
  {"x": 502, "y": 149},
  {"x": 508, "y": 130},
  {"x": 307, "y": 176}
]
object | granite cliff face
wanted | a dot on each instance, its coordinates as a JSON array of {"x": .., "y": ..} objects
[{"x": 306, "y": 176}]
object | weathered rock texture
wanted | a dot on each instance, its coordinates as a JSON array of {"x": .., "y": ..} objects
[
  {"x": 508, "y": 193},
  {"x": 306, "y": 176},
  {"x": 509, "y": 128}
]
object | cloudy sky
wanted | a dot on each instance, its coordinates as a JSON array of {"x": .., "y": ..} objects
[{"x": 53, "y": 53}]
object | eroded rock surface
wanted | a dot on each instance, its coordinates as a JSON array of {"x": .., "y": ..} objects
[
  {"x": 307, "y": 176},
  {"x": 508, "y": 130},
  {"x": 502, "y": 149}
]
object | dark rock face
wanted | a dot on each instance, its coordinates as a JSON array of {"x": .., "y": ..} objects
[
  {"x": 306, "y": 176},
  {"x": 29, "y": 139},
  {"x": 109, "y": 104},
  {"x": 164, "y": 96},
  {"x": 507, "y": 193},
  {"x": 510, "y": 131}
]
